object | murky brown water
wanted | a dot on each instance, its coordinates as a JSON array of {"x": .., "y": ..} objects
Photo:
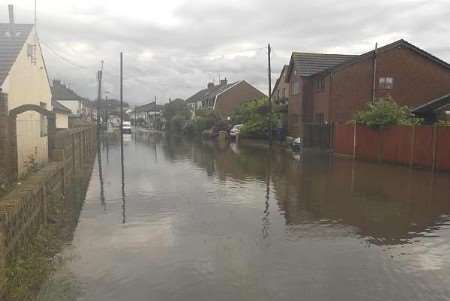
[{"x": 203, "y": 223}]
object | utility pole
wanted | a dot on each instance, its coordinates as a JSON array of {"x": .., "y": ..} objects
[
  {"x": 374, "y": 83},
  {"x": 99, "y": 95},
  {"x": 269, "y": 49},
  {"x": 121, "y": 103},
  {"x": 121, "y": 139},
  {"x": 106, "y": 111}
]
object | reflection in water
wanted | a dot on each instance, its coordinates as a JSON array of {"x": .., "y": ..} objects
[
  {"x": 122, "y": 139},
  {"x": 100, "y": 171},
  {"x": 265, "y": 219},
  {"x": 332, "y": 229}
]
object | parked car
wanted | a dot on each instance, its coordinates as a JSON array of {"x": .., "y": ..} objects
[
  {"x": 126, "y": 127},
  {"x": 235, "y": 130}
]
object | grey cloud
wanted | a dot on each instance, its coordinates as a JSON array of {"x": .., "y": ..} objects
[{"x": 175, "y": 61}]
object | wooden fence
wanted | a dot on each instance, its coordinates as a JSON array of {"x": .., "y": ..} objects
[{"x": 418, "y": 146}]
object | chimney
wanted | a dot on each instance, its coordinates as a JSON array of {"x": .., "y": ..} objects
[
  {"x": 223, "y": 82},
  {"x": 12, "y": 25},
  {"x": 210, "y": 86}
]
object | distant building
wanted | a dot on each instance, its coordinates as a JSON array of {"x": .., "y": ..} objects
[
  {"x": 24, "y": 80},
  {"x": 78, "y": 106},
  {"x": 224, "y": 97},
  {"x": 62, "y": 115},
  {"x": 148, "y": 114},
  {"x": 280, "y": 93}
]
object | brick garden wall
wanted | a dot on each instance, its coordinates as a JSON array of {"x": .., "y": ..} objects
[{"x": 24, "y": 209}]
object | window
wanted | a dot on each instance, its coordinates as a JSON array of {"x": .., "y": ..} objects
[
  {"x": 283, "y": 92},
  {"x": 295, "y": 87},
  {"x": 386, "y": 82},
  {"x": 43, "y": 122},
  {"x": 319, "y": 84}
]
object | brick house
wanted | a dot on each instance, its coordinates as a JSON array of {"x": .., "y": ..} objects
[
  {"x": 280, "y": 96},
  {"x": 280, "y": 92},
  {"x": 300, "y": 72},
  {"x": 408, "y": 74},
  {"x": 326, "y": 88},
  {"x": 224, "y": 97}
]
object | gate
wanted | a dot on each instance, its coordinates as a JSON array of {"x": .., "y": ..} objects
[{"x": 318, "y": 135}]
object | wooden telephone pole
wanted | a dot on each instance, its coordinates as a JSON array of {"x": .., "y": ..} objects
[
  {"x": 269, "y": 49},
  {"x": 99, "y": 94}
]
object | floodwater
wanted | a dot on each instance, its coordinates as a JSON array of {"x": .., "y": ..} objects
[{"x": 202, "y": 222}]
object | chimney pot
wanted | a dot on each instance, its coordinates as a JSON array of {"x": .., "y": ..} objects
[
  {"x": 210, "y": 86},
  {"x": 223, "y": 82}
]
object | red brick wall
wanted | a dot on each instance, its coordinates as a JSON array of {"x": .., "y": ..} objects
[
  {"x": 351, "y": 89},
  {"x": 295, "y": 110},
  {"x": 307, "y": 100},
  {"x": 320, "y": 99},
  {"x": 232, "y": 98},
  {"x": 417, "y": 80}
]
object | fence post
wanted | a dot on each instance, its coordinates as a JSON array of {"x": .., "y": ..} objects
[
  {"x": 435, "y": 138},
  {"x": 380, "y": 145},
  {"x": 354, "y": 140},
  {"x": 51, "y": 121}
]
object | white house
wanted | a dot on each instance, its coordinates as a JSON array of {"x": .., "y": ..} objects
[
  {"x": 68, "y": 98},
  {"x": 23, "y": 77},
  {"x": 62, "y": 115}
]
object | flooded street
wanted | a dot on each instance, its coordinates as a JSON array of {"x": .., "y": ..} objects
[{"x": 200, "y": 222}]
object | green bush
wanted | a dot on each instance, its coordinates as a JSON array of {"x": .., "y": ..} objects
[
  {"x": 204, "y": 121},
  {"x": 177, "y": 124},
  {"x": 385, "y": 112},
  {"x": 254, "y": 115}
]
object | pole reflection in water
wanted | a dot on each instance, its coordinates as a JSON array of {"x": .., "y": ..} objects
[
  {"x": 265, "y": 218},
  {"x": 122, "y": 165},
  {"x": 100, "y": 174}
]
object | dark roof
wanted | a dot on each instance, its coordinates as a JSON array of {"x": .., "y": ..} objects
[
  {"x": 433, "y": 105},
  {"x": 10, "y": 46},
  {"x": 210, "y": 93},
  {"x": 396, "y": 44},
  {"x": 150, "y": 107},
  {"x": 307, "y": 64},
  {"x": 61, "y": 92},
  {"x": 57, "y": 107}
]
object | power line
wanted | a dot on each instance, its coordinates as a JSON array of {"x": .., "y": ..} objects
[{"x": 54, "y": 52}]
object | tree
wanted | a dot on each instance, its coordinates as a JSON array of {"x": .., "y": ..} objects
[
  {"x": 385, "y": 112},
  {"x": 254, "y": 115},
  {"x": 176, "y": 113}
]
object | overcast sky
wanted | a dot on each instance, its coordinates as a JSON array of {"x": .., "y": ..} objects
[{"x": 172, "y": 48}]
